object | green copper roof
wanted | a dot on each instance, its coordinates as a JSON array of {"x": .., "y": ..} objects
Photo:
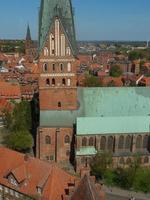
[
  {"x": 86, "y": 151},
  {"x": 50, "y": 9},
  {"x": 101, "y": 102},
  {"x": 113, "y": 125}
]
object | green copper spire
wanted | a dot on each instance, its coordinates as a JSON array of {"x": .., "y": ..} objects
[{"x": 62, "y": 9}]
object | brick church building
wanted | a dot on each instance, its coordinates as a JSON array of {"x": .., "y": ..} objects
[{"x": 76, "y": 123}]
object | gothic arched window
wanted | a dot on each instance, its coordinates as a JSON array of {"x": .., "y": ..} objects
[
  {"x": 84, "y": 142},
  {"x": 91, "y": 141},
  {"x": 121, "y": 142},
  {"x": 128, "y": 142},
  {"x": 59, "y": 104},
  {"x": 67, "y": 139},
  {"x": 128, "y": 161},
  {"x": 47, "y": 82},
  {"x": 48, "y": 139},
  {"x": 61, "y": 67},
  {"x": 103, "y": 143},
  {"x": 145, "y": 141},
  {"x": 121, "y": 161},
  {"x": 146, "y": 160},
  {"x": 139, "y": 142},
  {"x": 110, "y": 143},
  {"x": 63, "y": 81},
  {"x": 53, "y": 67},
  {"x": 53, "y": 82},
  {"x": 45, "y": 67}
]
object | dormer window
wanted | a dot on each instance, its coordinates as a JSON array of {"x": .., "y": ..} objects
[
  {"x": 13, "y": 181},
  {"x": 39, "y": 190}
]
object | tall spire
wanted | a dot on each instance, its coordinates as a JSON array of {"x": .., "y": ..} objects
[
  {"x": 28, "y": 35},
  {"x": 50, "y": 9}
]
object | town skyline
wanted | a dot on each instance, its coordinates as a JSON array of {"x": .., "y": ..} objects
[{"x": 107, "y": 20}]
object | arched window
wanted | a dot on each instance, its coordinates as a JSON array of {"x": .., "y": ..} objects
[
  {"x": 59, "y": 104},
  {"x": 84, "y": 142},
  {"x": 146, "y": 160},
  {"x": 139, "y": 142},
  {"x": 53, "y": 67},
  {"x": 145, "y": 142},
  {"x": 47, "y": 82},
  {"x": 128, "y": 142},
  {"x": 121, "y": 142},
  {"x": 61, "y": 67},
  {"x": 48, "y": 139},
  {"x": 103, "y": 143},
  {"x": 53, "y": 82},
  {"x": 121, "y": 161},
  {"x": 69, "y": 67},
  {"x": 63, "y": 81},
  {"x": 128, "y": 161},
  {"x": 46, "y": 51},
  {"x": 52, "y": 45},
  {"x": 110, "y": 143},
  {"x": 45, "y": 67},
  {"x": 91, "y": 141},
  {"x": 67, "y": 139}
]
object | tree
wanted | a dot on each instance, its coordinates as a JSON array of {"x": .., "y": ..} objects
[
  {"x": 134, "y": 55},
  {"x": 92, "y": 81},
  {"x": 115, "y": 71},
  {"x": 20, "y": 141},
  {"x": 20, "y": 118},
  {"x": 142, "y": 180},
  {"x": 100, "y": 163},
  {"x": 18, "y": 124}
]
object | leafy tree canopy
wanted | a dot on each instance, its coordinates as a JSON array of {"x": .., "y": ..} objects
[
  {"x": 115, "y": 71},
  {"x": 20, "y": 141},
  {"x": 92, "y": 81}
]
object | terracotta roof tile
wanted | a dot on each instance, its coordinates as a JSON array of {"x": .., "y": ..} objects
[{"x": 36, "y": 173}]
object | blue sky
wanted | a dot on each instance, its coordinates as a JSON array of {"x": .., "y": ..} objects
[{"x": 94, "y": 19}]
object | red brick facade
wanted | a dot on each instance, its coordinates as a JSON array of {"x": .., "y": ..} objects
[
  {"x": 54, "y": 144},
  {"x": 57, "y": 91}
]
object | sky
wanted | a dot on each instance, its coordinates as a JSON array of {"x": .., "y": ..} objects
[{"x": 94, "y": 19}]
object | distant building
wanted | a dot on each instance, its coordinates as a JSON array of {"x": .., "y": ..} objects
[{"x": 30, "y": 46}]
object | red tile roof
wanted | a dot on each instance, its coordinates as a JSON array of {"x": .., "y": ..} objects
[
  {"x": 35, "y": 173},
  {"x": 10, "y": 90},
  {"x": 5, "y": 105}
]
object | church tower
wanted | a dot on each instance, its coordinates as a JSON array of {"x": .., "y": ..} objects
[
  {"x": 57, "y": 52},
  {"x": 57, "y": 84}
]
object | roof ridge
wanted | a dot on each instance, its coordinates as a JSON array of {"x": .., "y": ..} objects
[{"x": 90, "y": 187}]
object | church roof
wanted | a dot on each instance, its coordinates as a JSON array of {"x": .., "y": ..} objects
[
  {"x": 50, "y": 9},
  {"x": 86, "y": 190},
  {"x": 113, "y": 125},
  {"x": 84, "y": 151},
  {"x": 102, "y": 102}
]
